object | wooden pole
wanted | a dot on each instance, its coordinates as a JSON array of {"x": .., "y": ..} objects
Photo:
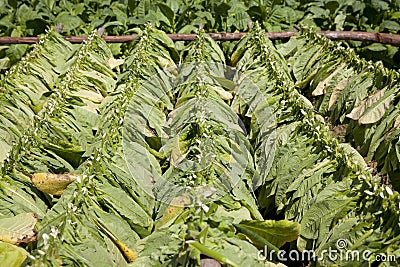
[{"x": 384, "y": 38}]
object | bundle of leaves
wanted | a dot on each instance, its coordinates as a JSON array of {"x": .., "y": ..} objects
[{"x": 137, "y": 161}]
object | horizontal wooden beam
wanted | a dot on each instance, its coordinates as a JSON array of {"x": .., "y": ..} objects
[{"x": 384, "y": 38}]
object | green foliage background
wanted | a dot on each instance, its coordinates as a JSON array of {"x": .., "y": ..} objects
[{"x": 30, "y": 18}]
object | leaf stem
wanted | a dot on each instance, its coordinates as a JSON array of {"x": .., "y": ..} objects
[{"x": 211, "y": 253}]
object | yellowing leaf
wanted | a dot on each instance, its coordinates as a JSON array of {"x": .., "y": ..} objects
[
  {"x": 53, "y": 184},
  {"x": 320, "y": 89},
  {"x": 358, "y": 111},
  {"x": 11, "y": 255},
  {"x": 372, "y": 108},
  {"x": 4, "y": 149},
  {"x": 235, "y": 57},
  {"x": 90, "y": 95},
  {"x": 18, "y": 229},
  {"x": 112, "y": 62},
  {"x": 91, "y": 109},
  {"x": 377, "y": 113},
  {"x": 128, "y": 253},
  {"x": 396, "y": 122},
  {"x": 173, "y": 210},
  {"x": 225, "y": 95},
  {"x": 320, "y": 118},
  {"x": 165, "y": 63}
]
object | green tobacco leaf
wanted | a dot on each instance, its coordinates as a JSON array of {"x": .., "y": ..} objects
[
  {"x": 319, "y": 218},
  {"x": 166, "y": 10},
  {"x": 4, "y": 63},
  {"x": 275, "y": 232},
  {"x": 11, "y": 255},
  {"x": 69, "y": 22},
  {"x": 158, "y": 246},
  {"x": 376, "y": 47},
  {"x": 87, "y": 253},
  {"x": 300, "y": 66},
  {"x": 23, "y": 198},
  {"x": 235, "y": 216},
  {"x": 390, "y": 25},
  {"x": 231, "y": 251},
  {"x": 118, "y": 200},
  {"x": 18, "y": 229}
]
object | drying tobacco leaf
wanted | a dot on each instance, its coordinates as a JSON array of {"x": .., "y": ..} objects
[{"x": 18, "y": 229}]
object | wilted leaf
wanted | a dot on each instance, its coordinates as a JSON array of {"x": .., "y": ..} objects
[
  {"x": 320, "y": 90},
  {"x": 53, "y": 184},
  {"x": 372, "y": 108},
  {"x": 18, "y": 229},
  {"x": 90, "y": 95},
  {"x": 112, "y": 62}
]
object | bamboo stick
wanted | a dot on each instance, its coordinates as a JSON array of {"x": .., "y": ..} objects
[{"x": 384, "y": 38}]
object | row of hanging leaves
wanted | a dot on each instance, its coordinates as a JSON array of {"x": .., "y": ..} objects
[
  {"x": 314, "y": 180},
  {"x": 101, "y": 216},
  {"x": 62, "y": 131},
  {"x": 106, "y": 217},
  {"x": 352, "y": 91}
]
